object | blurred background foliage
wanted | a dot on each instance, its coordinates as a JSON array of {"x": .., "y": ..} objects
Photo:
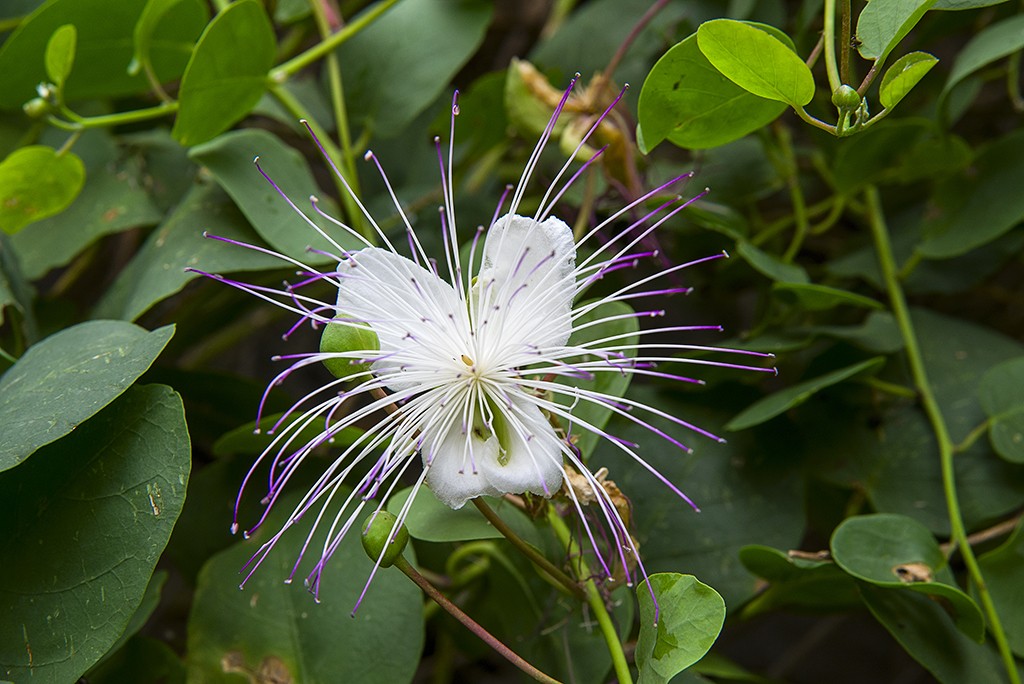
[{"x": 868, "y": 188}]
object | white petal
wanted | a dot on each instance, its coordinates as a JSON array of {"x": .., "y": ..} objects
[
  {"x": 531, "y": 465},
  {"x": 527, "y": 272},
  {"x": 419, "y": 319}
]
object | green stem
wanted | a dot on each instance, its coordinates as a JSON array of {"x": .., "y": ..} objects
[
  {"x": 107, "y": 120},
  {"x": 972, "y": 437},
  {"x": 887, "y": 263},
  {"x": 326, "y": 46},
  {"x": 10, "y": 23},
  {"x": 1013, "y": 81},
  {"x": 352, "y": 211},
  {"x": 533, "y": 554},
  {"x": 594, "y": 598},
  {"x": 845, "y": 72},
  {"x": 829, "y": 32},
  {"x": 796, "y": 193},
  {"x": 817, "y": 123},
  {"x": 890, "y": 388},
  {"x": 347, "y": 159},
  {"x": 430, "y": 590}
]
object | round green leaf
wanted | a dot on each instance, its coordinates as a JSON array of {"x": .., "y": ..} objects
[
  {"x": 221, "y": 86},
  {"x": 113, "y": 199},
  {"x": 690, "y": 618},
  {"x": 882, "y": 25},
  {"x": 36, "y": 182},
  {"x": 430, "y": 520},
  {"x": 1000, "y": 394},
  {"x": 60, "y": 53},
  {"x": 775, "y": 404},
  {"x": 796, "y": 582},
  {"x": 96, "y": 510},
  {"x": 687, "y": 101},
  {"x": 756, "y": 61},
  {"x": 896, "y": 551},
  {"x": 271, "y": 626},
  {"x": 62, "y": 381},
  {"x": 903, "y": 75},
  {"x": 229, "y": 158}
]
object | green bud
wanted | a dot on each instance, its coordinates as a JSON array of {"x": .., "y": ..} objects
[
  {"x": 347, "y": 337},
  {"x": 845, "y": 97},
  {"x": 36, "y": 108},
  {"x": 377, "y": 538}
]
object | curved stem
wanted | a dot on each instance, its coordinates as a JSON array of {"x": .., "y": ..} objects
[
  {"x": 887, "y": 263},
  {"x": 814, "y": 122},
  {"x": 845, "y": 71},
  {"x": 829, "y": 33},
  {"x": 594, "y": 598},
  {"x": 796, "y": 193},
  {"x": 533, "y": 554},
  {"x": 469, "y": 623},
  {"x": 108, "y": 120},
  {"x": 323, "y": 48}
]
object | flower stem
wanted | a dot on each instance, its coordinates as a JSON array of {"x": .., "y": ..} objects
[
  {"x": 533, "y": 554},
  {"x": 791, "y": 173},
  {"x": 829, "y": 33},
  {"x": 931, "y": 407},
  {"x": 430, "y": 590},
  {"x": 321, "y": 49},
  {"x": 107, "y": 120},
  {"x": 594, "y": 598}
]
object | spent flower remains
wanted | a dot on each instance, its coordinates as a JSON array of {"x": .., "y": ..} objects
[{"x": 466, "y": 379}]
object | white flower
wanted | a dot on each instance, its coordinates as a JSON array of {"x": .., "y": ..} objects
[{"x": 474, "y": 370}]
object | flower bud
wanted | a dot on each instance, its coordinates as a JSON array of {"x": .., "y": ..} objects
[
  {"x": 845, "y": 97},
  {"x": 347, "y": 337},
  {"x": 380, "y": 536},
  {"x": 36, "y": 108}
]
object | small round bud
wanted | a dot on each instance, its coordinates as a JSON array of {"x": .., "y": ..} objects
[
  {"x": 339, "y": 338},
  {"x": 380, "y": 536},
  {"x": 845, "y": 97},
  {"x": 36, "y": 108}
]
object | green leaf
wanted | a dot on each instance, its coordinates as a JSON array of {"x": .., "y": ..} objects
[
  {"x": 879, "y": 333},
  {"x": 96, "y": 508},
  {"x": 104, "y": 50},
  {"x": 141, "y": 616},
  {"x": 771, "y": 266},
  {"x": 994, "y": 42},
  {"x": 413, "y": 50},
  {"x": 776, "y": 404},
  {"x": 882, "y": 25},
  {"x": 921, "y": 626},
  {"x": 171, "y": 24},
  {"x": 60, "y": 54},
  {"x": 158, "y": 269},
  {"x": 609, "y": 383},
  {"x": 112, "y": 200},
  {"x": 62, "y": 381},
  {"x": 672, "y": 639},
  {"x": 1003, "y": 570},
  {"x": 229, "y": 158},
  {"x": 964, "y": 4},
  {"x": 978, "y": 206},
  {"x": 220, "y": 86},
  {"x": 276, "y": 627},
  {"x": 903, "y": 75},
  {"x": 1000, "y": 394},
  {"x": 895, "y": 551},
  {"x": 816, "y": 297},
  {"x": 756, "y": 61},
  {"x": 36, "y": 182},
  {"x": 246, "y": 439},
  {"x": 143, "y": 660},
  {"x": 688, "y": 102}
]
